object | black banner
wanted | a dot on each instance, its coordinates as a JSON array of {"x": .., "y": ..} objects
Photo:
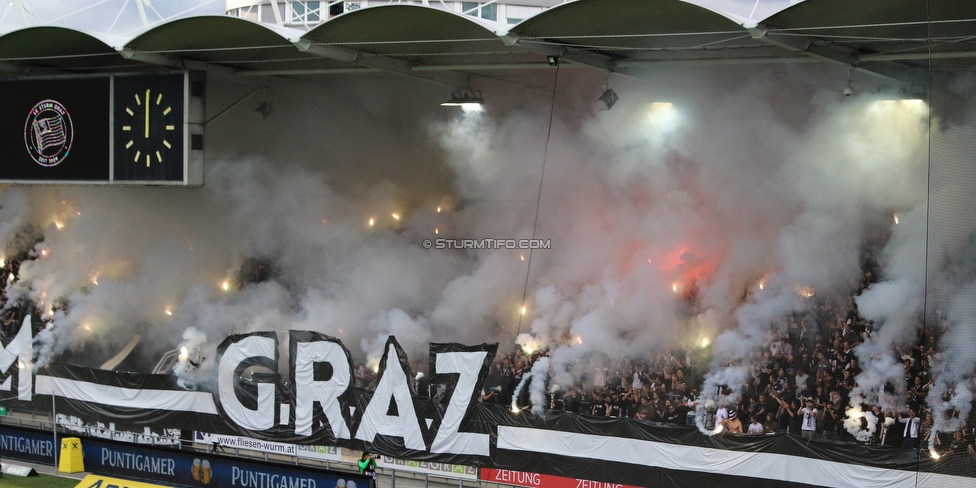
[{"x": 318, "y": 405}]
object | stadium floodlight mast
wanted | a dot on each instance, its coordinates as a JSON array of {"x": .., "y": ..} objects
[{"x": 21, "y": 5}]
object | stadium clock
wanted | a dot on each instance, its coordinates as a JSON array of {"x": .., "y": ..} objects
[{"x": 149, "y": 127}]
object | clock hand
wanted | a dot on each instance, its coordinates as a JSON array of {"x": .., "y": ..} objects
[{"x": 147, "y": 114}]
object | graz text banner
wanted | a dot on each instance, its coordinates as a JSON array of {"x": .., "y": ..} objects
[{"x": 317, "y": 403}]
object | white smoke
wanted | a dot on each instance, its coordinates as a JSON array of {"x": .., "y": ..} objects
[
  {"x": 951, "y": 395},
  {"x": 818, "y": 250},
  {"x": 894, "y": 305},
  {"x": 537, "y": 387},
  {"x": 194, "y": 353},
  {"x": 663, "y": 218},
  {"x": 862, "y": 423}
]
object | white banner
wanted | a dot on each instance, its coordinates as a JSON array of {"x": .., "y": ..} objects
[
  {"x": 321, "y": 453},
  {"x": 245, "y": 443},
  {"x": 431, "y": 468}
]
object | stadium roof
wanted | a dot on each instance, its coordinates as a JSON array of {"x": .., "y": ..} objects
[{"x": 891, "y": 39}]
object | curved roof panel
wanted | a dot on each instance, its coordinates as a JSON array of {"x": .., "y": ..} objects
[
  {"x": 879, "y": 26},
  {"x": 413, "y": 33},
  {"x": 59, "y": 48},
  {"x": 893, "y": 36},
  {"x": 619, "y": 26},
  {"x": 218, "y": 38}
]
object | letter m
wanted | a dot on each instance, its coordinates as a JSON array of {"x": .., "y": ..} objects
[{"x": 20, "y": 348}]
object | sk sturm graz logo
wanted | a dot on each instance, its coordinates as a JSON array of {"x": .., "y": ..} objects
[{"x": 48, "y": 133}]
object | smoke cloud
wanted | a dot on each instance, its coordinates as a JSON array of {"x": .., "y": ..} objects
[{"x": 664, "y": 215}]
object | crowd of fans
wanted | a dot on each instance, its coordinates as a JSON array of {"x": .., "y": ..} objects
[
  {"x": 13, "y": 315},
  {"x": 802, "y": 385},
  {"x": 19, "y": 249},
  {"x": 802, "y": 382}
]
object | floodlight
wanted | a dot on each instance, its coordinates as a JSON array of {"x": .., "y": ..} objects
[
  {"x": 914, "y": 92},
  {"x": 890, "y": 92},
  {"x": 607, "y": 99},
  {"x": 466, "y": 99}
]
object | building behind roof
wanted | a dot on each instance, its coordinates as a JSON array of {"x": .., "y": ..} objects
[{"x": 305, "y": 14}]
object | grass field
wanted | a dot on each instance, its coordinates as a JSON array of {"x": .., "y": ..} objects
[{"x": 42, "y": 481}]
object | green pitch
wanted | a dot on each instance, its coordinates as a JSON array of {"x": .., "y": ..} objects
[{"x": 41, "y": 481}]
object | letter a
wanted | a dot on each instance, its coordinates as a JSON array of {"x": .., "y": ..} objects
[{"x": 392, "y": 385}]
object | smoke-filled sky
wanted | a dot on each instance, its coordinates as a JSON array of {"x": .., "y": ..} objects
[{"x": 696, "y": 178}]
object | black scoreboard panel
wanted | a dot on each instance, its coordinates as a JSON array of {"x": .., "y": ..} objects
[
  {"x": 55, "y": 129},
  {"x": 103, "y": 129}
]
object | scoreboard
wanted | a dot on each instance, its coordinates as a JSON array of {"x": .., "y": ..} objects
[{"x": 139, "y": 129}]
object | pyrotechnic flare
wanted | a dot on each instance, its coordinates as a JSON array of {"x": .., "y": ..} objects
[{"x": 805, "y": 291}]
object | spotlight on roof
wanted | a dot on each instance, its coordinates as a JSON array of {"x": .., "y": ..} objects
[
  {"x": 607, "y": 99},
  {"x": 263, "y": 111},
  {"x": 553, "y": 60},
  {"x": 469, "y": 100},
  {"x": 889, "y": 92},
  {"x": 913, "y": 94}
]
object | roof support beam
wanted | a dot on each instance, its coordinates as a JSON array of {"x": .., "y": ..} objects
[
  {"x": 452, "y": 78},
  {"x": 13, "y": 68},
  {"x": 595, "y": 60},
  {"x": 892, "y": 72},
  {"x": 656, "y": 63},
  {"x": 306, "y": 46},
  {"x": 923, "y": 56},
  {"x": 310, "y": 71},
  {"x": 149, "y": 58},
  {"x": 380, "y": 62}
]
